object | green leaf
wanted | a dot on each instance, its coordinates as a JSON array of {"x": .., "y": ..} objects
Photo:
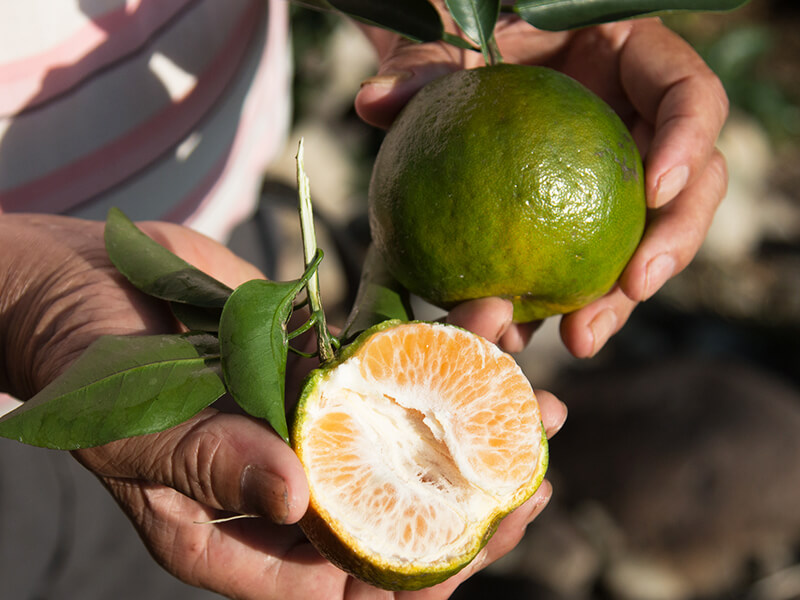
[
  {"x": 155, "y": 270},
  {"x": 121, "y": 386},
  {"x": 416, "y": 20},
  {"x": 380, "y": 297},
  {"x": 314, "y": 4},
  {"x": 458, "y": 42},
  {"x": 559, "y": 15},
  {"x": 197, "y": 318},
  {"x": 477, "y": 19},
  {"x": 254, "y": 344}
]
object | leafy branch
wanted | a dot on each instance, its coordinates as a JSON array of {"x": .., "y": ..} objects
[
  {"x": 419, "y": 21},
  {"x": 238, "y": 343},
  {"x": 238, "y": 340}
]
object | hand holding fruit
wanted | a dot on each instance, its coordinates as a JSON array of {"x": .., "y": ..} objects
[
  {"x": 666, "y": 95},
  {"x": 216, "y": 464}
]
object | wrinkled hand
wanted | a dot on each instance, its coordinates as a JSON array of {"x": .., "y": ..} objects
[
  {"x": 667, "y": 96},
  {"x": 60, "y": 293}
]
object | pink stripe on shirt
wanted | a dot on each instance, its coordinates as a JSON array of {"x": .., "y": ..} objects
[
  {"x": 261, "y": 132},
  {"x": 74, "y": 183},
  {"x": 189, "y": 204},
  {"x": 30, "y": 81}
]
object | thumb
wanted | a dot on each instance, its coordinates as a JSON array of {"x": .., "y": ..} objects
[
  {"x": 404, "y": 68},
  {"x": 224, "y": 461}
]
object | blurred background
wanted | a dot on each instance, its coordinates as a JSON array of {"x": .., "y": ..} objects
[{"x": 677, "y": 475}]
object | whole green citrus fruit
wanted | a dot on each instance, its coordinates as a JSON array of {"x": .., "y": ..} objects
[{"x": 511, "y": 181}]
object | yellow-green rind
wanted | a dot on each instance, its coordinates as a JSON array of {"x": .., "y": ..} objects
[
  {"x": 342, "y": 550},
  {"x": 464, "y": 202}
]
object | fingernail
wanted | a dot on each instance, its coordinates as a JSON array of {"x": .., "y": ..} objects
[
  {"x": 552, "y": 432},
  {"x": 659, "y": 270},
  {"x": 264, "y": 492},
  {"x": 388, "y": 79},
  {"x": 670, "y": 185},
  {"x": 602, "y": 327},
  {"x": 544, "y": 492}
]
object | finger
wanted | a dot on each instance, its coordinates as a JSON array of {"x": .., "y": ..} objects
[
  {"x": 675, "y": 233},
  {"x": 224, "y": 461},
  {"x": 488, "y": 317},
  {"x": 404, "y": 68},
  {"x": 402, "y": 72},
  {"x": 585, "y": 331},
  {"x": 518, "y": 335},
  {"x": 249, "y": 559},
  {"x": 356, "y": 589},
  {"x": 492, "y": 318},
  {"x": 508, "y": 535},
  {"x": 672, "y": 88},
  {"x": 512, "y": 527},
  {"x": 554, "y": 412}
]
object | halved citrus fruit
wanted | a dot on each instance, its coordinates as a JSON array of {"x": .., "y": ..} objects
[{"x": 416, "y": 442}]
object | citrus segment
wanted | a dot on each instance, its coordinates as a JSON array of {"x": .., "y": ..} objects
[
  {"x": 415, "y": 444},
  {"x": 465, "y": 412}
]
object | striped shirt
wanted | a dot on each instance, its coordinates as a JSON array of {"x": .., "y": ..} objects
[{"x": 167, "y": 109}]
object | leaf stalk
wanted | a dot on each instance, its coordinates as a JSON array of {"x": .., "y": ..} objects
[{"x": 325, "y": 341}]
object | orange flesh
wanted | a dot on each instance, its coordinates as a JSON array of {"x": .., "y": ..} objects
[
  {"x": 342, "y": 454},
  {"x": 492, "y": 410},
  {"x": 424, "y": 433}
]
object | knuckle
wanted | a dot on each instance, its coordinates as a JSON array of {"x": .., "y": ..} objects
[
  {"x": 718, "y": 95},
  {"x": 719, "y": 167},
  {"x": 193, "y": 464}
]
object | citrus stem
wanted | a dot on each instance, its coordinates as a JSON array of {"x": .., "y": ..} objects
[
  {"x": 324, "y": 338},
  {"x": 491, "y": 52},
  {"x": 301, "y": 353},
  {"x": 302, "y": 329}
]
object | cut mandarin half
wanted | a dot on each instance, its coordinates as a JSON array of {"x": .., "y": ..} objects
[{"x": 416, "y": 442}]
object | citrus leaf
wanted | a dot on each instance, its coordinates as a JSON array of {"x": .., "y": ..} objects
[
  {"x": 121, "y": 386},
  {"x": 197, "y": 318},
  {"x": 416, "y": 20},
  {"x": 314, "y": 4},
  {"x": 155, "y": 270},
  {"x": 559, "y": 15},
  {"x": 458, "y": 42},
  {"x": 254, "y": 344},
  {"x": 476, "y": 18},
  {"x": 380, "y": 298}
]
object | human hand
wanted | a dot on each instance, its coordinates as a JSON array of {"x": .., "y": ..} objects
[
  {"x": 667, "y": 96},
  {"x": 60, "y": 293}
]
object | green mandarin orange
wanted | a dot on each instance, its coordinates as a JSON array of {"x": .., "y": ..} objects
[{"x": 511, "y": 181}]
